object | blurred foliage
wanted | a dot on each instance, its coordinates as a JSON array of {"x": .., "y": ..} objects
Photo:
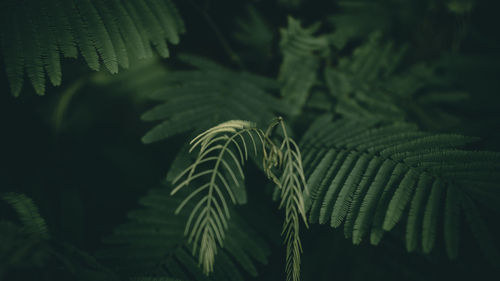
[{"x": 77, "y": 154}]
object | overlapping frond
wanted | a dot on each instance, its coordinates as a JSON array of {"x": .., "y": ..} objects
[
  {"x": 35, "y": 34},
  {"x": 357, "y": 81},
  {"x": 302, "y": 52},
  {"x": 152, "y": 243},
  {"x": 369, "y": 84},
  {"x": 28, "y": 213},
  {"x": 223, "y": 149},
  {"x": 367, "y": 175},
  {"x": 211, "y": 94},
  {"x": 292, "y": 184}
]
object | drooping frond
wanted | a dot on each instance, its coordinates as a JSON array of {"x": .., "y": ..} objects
[
  {"x": 211, "y": 94},
  {"x": 224, "y": 150},
  {"x": 367, "y": 175},
  {"x": 291, "y": 184},
  {"x": 152, "y": 243},
  {"x": 28, "y": 213},
  {"x": 302, "y": 52},
  {"x": 35, "y": 34}
]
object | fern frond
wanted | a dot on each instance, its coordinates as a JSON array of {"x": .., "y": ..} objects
[
  {"x": 35, "y": 33},
  {"x": 198, "y": 99},
  {"x": 370, "y": 84},
  {"x": 255, "y": 34},
  {"x": 356, "y": 20},
  {"x": 153, "y": 243},
  {"x": 357, "y": 81},
  {"x": 224, "y": 148},
  {"x": 367, "y": 176},
  {"x": 292, "y": 184},
  {"x": 20, "y": 249},
  {"x": 302, "y": 52},
  {"x": 28, "y": 213}
]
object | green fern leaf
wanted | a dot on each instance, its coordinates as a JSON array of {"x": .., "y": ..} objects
[
  {"x": 28, "y": 213},
  {"x": 301, "y": 60},
  {"x": 414, "y": 223},
  {"x": 255, "y": 34},
  {"x": 367, "y": 177},
  {"x": 452, "y": 221},
  {"x": 107, "y": 32},
  {"x": 480, "y": 230},
  {"x": 431, "y": 217},
  {"x": 13, "y": 57},
  {"x": 208, "y": 220},
  {"x": 153, "y": 241},
  {"x": 292, "y": 184},
  {"x": 197, "y": 99}
]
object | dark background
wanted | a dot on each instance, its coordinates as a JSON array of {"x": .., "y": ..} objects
[{"x": 87, "y": 172}]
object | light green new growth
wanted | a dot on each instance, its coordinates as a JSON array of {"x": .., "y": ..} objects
[
  {"x": 209, "y": 217},
  {"x": 292, "y": 184},
  {"x": 207, "y": 223}
]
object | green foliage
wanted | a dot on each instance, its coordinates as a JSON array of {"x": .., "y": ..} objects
[
  {"x": 35, "y": 34},
  {"x": 380, "y": 93},
  {"x": 209, "y": 218},
  {"x": 367, "y": 174},
  {"x": 197, "y": 99},
  {"x": 152, "y": 243},
  {"x": 29, "y": 246},
  {"x": 302, "y": 53},
  {"x": 367, "y": 85},
  {"x": 25, "y": 245},
  {"x": 356, "y": 18},
  {"x": 28, "y": 213},
  {"x": 292, "y": 184},
  {"x": 357, "y": 81},
  {"x": 255, "y": 34},
  {"x": 224, "y": 175},
  {"x": 20, "y": 249}
]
